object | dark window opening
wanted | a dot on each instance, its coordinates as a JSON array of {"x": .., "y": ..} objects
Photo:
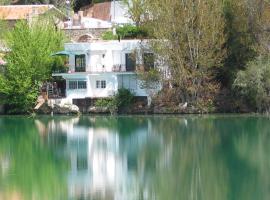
[
  {"x": 80, "y": 64},
  {"x": 72, "y": 85},
  {"x": 81, "y": 84},
  {"x": 103, "y": 84},
  {"x": 130, "y": 62}
]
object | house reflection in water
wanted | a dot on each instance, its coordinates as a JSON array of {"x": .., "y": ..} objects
[{"x": 103, "y": 162}]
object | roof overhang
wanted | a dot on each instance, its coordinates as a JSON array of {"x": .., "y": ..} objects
[{"x": 65, "y": 53}]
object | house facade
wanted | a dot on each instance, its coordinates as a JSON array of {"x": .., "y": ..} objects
[{"x": 99, "y": 69}]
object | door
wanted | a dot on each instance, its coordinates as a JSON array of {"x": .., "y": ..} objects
[{"x": 130, "y": 62}]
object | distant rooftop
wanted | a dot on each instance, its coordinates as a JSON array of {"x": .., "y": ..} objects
[
  {"x": 114, "y": 11},
  {"x": 17, "y": 12}
]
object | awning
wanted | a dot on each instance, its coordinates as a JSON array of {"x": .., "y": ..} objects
[{"x": 65, "y": 53}]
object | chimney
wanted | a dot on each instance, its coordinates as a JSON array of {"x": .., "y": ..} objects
[
  {"x": 76, "y": 20},
  {"x": 80, "y": 13}
]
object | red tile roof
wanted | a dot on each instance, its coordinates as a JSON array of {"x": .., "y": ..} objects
[{"x": 17, "y": 12}]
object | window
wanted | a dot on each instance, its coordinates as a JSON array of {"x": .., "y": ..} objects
[
  {"x": 73, "y": 85},
  {"x": 80, "y": 63},
  {"x": 97, "y": 84},
  {"x": 101, "y": 84},
  {"x": 148, "y": 61},
  {"x": 81, "y": 84}
]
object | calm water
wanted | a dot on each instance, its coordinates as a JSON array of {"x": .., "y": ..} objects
[{"x": 135, "y": 158}]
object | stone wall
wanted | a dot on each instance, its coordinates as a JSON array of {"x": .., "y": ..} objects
[{"x": 75, "y": 34}]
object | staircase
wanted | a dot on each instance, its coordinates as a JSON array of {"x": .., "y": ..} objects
[
  {"x": 50, "y": 90},
  {"x": 40, "y": 102}
]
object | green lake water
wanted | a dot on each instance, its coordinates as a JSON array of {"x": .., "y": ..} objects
[{"x": 212, "y": 157}]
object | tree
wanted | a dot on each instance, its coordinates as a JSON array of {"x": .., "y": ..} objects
[
  {"x": 136, "y": 9},
  {"x": 253, "y": 84},
  {"x": 190, "y": 38},
  {"x": 151, "y": 82},
  {"x": 29, "y": 63},
  {"x": 246, "y": 38}
]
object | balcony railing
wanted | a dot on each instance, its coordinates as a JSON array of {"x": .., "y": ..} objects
[
  {"x": 113, "y": 68},
  {"x": 57, "y": 71}
]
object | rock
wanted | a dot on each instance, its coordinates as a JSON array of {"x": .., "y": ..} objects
[
  {"x": 65, "y": 109},
  {"x": 94, "y": 109},
  {"x": 58, "y": 109},
  {"x": 44, "y": 109}
]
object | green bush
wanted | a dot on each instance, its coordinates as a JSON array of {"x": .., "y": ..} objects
[
  {"x": 253, "y": 84},
  {"x": 131, "y": 31},
  {"x": 109, "y": 103},
  {"x": 122, "y": 100},
  {"x": 108, "y": 35},
  {"x": 125, "y": 32}
]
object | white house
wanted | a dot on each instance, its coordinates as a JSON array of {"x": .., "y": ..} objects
[{"x": 99, "y": 69}]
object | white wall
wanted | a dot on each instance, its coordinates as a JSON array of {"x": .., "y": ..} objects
[
  {"x": 113, "y": 51},
  {"x": 111, "y": 85}
]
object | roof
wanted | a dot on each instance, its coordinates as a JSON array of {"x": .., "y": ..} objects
[{"x": 17, "y": 12}]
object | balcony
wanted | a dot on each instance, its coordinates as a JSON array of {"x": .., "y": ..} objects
[{"x": 104, "y": 69}]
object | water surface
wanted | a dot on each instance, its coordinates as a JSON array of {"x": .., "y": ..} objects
[{"x": 215, "y": 157}]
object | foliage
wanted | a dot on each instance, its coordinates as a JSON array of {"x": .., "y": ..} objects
[
  {"x": 124, "y": 98},
  {"x": 245, "y": 22},
  {"x": 109, "y": 103},
  {"x": 253, "y": 84},
  {"x": 204, "y": 42},
  {"x": 131, "y": 31},
  {"x": 108, "y": 35},
  {"x": 125, "y": 32},
  {"x": 121, "y": 100},
  {"x": 150, "y": 79},
  {"x": 29, "y": 63},
  {"x": 194, "y": 41},
  {"x": 4, "y": 2},
  {"x": 136, "y": 10},
  {"x": 151, "y": 82},
  {"x": 3, "y": 28}
]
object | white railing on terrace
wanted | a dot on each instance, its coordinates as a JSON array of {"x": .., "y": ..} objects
[{"x": 114, "y": 68}]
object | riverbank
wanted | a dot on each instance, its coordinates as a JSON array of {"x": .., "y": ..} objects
[{"x": 141, "y": 108}]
